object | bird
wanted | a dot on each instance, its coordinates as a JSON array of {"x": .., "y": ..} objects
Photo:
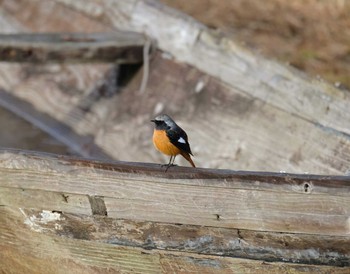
[{"x": 170, "y": 139}]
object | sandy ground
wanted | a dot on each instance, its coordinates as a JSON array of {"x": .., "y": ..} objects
[{"x": 311, "y": 35}]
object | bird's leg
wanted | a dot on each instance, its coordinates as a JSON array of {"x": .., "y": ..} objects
[
  {"x": 171, "y": 162},
  {"x": 168, "y": 164}
]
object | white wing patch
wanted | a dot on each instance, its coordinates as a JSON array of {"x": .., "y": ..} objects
[{"x": 181, "y": 140}]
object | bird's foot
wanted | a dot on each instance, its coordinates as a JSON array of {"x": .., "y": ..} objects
[{"x": 167, "y": 166}]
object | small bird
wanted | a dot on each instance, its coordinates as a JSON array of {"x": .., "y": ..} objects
[{"x": 170, "y": 139}]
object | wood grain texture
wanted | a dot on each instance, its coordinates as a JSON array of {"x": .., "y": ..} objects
[
  {"x": 34, "y": 251},
  {"x": 266, "y": 246},
  {"x": 145, "y": 192},
  {"x": 116, "y": 47}
]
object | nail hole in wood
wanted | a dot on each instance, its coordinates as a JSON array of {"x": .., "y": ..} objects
[
  {"x": 65, "y": 198},
  {"x": 306, "y": 188}
]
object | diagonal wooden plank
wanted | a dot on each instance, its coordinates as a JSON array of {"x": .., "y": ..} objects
[{"x": 80, "y": 144}]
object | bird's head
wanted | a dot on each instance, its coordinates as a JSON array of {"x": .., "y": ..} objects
[{"x": 164, "y": 122}]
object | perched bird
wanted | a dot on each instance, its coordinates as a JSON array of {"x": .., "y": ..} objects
[{"x": 170, "y": 139}]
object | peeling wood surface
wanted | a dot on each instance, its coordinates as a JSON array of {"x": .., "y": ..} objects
[
  {"x": 116, "y": 47},
  {"x": 228, "y": 199},
  {"x": 34, "y": 251},
  {"x": 228, "y": 125},
  {"x": 265, "y": 246}
]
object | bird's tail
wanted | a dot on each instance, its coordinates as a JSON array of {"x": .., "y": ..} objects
[{"x": 188, "y": 158}]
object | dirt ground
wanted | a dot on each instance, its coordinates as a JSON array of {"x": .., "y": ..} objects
[{"x": 312, "y": 35}]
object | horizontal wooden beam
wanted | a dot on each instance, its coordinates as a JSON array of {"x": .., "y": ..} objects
[
  {"x": 116, "y": 47},
  {"x": 33, "y": 249},
  {"x": 266, "y": 246},
  {"x": 258, "y": 201}
]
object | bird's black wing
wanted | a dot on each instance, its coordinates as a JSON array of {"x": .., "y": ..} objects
[{"x": 179, "y": 139}]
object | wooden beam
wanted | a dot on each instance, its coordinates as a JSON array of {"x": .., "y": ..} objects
[
  {"x": 33, "y": 250},
  {"x": 258, "y": 201},
  {"x": 266, "y": 246},
  {"x": 116, "y": 47}
]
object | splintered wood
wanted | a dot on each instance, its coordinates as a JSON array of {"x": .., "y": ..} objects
[{"x": 149, "y": 220}]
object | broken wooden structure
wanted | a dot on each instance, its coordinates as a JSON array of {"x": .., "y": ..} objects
[{"x": 241, "y": 112}]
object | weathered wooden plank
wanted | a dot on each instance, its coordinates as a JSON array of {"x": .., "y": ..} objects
[
  {"x": 116, "y": 47},
  {"x": 32, "y": 251},
  {"x": 266, "y": 246},
  {"x": 237, "y": 209},
  {"x": 12, "y": 159},
  {"x": 45, "y": 200},
  {"x": 191, "y": 42},
  {"x": 240, "y": 200}
]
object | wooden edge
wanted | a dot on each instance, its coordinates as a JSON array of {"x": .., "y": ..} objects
[
  {"x": 116, "y": 47},
  {"x": 302, "y": 183}
]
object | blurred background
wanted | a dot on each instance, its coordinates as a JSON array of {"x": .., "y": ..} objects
[{"x": 310, "y": 35}]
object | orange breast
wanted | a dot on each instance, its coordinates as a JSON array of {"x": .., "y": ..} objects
[{"x": 163, "y": 144}]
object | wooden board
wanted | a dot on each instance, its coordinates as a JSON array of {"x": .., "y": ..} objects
[
  {"x": 256, "y": 201},
  {"x": 116, "y": 47},
  {"x": 37, "y": 252},
  {"x": 266, "y": 246}
]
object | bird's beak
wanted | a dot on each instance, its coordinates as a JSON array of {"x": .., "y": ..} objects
[{"x": 153, "y": 121}]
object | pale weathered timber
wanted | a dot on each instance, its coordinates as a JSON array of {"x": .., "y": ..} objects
[
  {"x": 266, "y": 246},
  {"x": 32, "y": 249},
  {"x": 228, "y": 127},
  {"x": 215, "y": 54},
  {"x": 243, "y": 200},
  {"x": 116, "y": 47}
]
